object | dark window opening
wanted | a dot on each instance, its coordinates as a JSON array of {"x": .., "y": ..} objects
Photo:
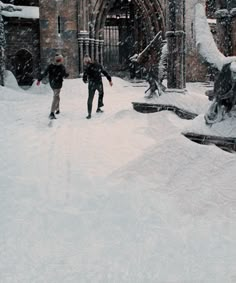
[{"x": 59, "y": 25}]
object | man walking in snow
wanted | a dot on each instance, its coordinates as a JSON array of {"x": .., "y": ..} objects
[
  {"x": 56, "y": 72},
  {"x": 93, "y": 74}
]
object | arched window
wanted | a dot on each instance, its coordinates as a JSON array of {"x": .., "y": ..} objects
[{"x": 59, "y": 25}]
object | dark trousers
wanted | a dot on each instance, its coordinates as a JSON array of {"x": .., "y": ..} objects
[{"x": 92, "y": 87}]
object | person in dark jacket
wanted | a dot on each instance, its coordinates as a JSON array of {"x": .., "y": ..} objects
[
  {"x": 224, "y": 94},
  {"x": 93, "y": 75},
  {"x": 56, "y": 72},
  {"x": 225, "y": 86}
]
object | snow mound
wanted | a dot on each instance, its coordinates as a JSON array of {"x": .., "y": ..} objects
[
  {"x": 10, "y": 81},
  {"x": 224, "y": 128}
]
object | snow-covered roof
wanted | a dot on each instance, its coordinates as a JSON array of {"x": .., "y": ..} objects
[{"x": 27, "y": 12}]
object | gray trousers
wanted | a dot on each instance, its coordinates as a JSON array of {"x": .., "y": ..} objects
[{"x": 56, "y": 100}]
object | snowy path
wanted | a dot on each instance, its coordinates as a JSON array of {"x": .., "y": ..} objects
[{"x": 122, "y": 197}]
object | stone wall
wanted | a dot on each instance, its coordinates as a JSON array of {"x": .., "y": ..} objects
[
  {"x": 233, "y": 14},
  {"x": 22, "y": 34},
  {"x": 58, "y": 33}
]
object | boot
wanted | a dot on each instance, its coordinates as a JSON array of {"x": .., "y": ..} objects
[
  {"x": 99, "y": 110},
  {"x": 52, "y": 116}
]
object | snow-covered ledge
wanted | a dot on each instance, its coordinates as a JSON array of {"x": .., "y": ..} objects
[{"x": 27, "y": 12}]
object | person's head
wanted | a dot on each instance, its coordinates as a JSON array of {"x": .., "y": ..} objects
[
  {"x": 58, "y": 59},
  {"x": 233, "y": 70},
  {"x": 87, "y": 60}
]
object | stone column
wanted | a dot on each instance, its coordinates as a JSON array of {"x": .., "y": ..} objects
[
  {"x": 81, "y": 55},
  {"x": 92, "y": 48},
  {"x": 48, "y": 31},
  {"x": 101, "y": 47},
  {"x": 176, "y": 44},
  {"x": 97, "y": 49},
  {"x": 223, "y": 31},
  {"x": 2, "y": 46},
  {"x": 83, "y": 48},
  {"x": 2, "y": 66},
  {"x": 87, "y": 46},
  {"x": 233, "y": 30}
]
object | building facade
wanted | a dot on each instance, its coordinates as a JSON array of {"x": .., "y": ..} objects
[{"x": 111, "y": 31}]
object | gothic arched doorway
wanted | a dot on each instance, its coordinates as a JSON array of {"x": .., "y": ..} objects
[
  {"x": 126, "y": 26},
  {"x": 123, "y": 35},
  {"x": 24, "y": 67}
]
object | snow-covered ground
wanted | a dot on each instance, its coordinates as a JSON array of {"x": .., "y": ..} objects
[{"x": 123, "y": 197}]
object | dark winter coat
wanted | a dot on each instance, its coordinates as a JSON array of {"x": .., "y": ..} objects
[
  {"x": 93, "y": 72},
  {"x": 225, "y": 88},
  {"x": 56, "y": 73},
  {"x": 223, "y": 83}
]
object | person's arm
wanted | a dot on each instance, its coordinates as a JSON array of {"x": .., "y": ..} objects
[
  {"x": 85, "y": 76},
  {"x": 65, "y": 74},
  {"x": 105, "y": 73},
  {"x": 42, "y": 75}
]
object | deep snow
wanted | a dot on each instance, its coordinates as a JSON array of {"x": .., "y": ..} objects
[{"x": 123, "y": 197}]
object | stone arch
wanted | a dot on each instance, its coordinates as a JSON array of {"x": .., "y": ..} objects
[
  {"x": 154, "y": 12},
  {"x": 151, "y": 10},
  {"x": 23, "y": 67}
]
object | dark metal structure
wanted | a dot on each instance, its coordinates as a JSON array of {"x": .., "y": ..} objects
[{"x": 152, "y": 108}]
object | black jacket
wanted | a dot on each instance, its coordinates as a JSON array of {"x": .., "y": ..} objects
[
  {"x": 93, "y": 72},
  {"x": 225, "y": 88},
  {"x": 224, "y": 84},
  {"x": 56, "y": 73}
]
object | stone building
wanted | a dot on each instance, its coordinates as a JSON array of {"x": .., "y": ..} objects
[
  {"x": 22, "y": 37},
  {"x": 110, "y": 31}
]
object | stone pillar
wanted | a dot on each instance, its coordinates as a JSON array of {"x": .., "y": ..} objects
[
  {"x": 223, "y": 31},
  {"x": 233, "y": 30},
  {"x": 48, "y": 31},
  {"x": 83, "y": 48},
  {"x": 176, "y": 44},
  {"x": 2, "y": 46},
  {"x": 97, "y": 49},
  {"x": 58, "y": 33},
  {"x": 81, "y": 55},
  {"x": 87, "y": 46},
  {"x": 92, "y": 48},
  {"x": 101, "y": 49},
  {"x": 2, "y": 66}
]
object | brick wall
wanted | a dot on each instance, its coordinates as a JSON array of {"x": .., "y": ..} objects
[
  {"x": 58, "y": 33},
  {"x": 22, "y": 34}
]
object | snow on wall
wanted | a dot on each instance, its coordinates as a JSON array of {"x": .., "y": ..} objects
[
  {"x": 27, "y": 12},
  {"x": 205, "y": 43},
  {"x": 204, "y": 40}
]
